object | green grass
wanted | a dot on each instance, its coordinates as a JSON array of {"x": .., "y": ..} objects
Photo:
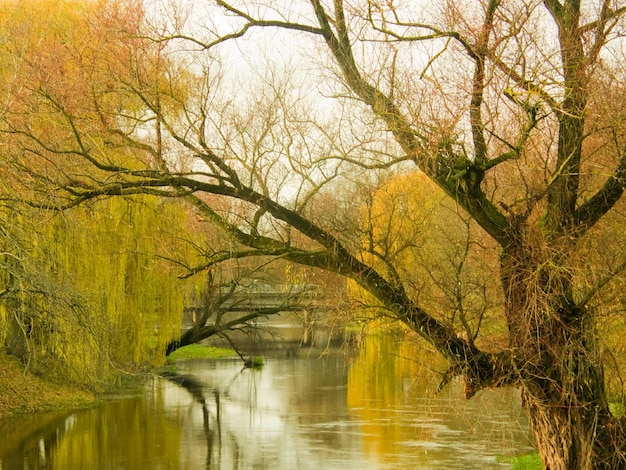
[
  {"x": 198, "y": 351},
  {"x": 524, "y": 462}
]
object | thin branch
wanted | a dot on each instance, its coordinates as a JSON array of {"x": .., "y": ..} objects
[
  {"x": 591, "y": 293},
  {"x": 478, "y": 85},
  {"x": 606, "y": 15},
  {"x": 223, "y": 256},
  {"x": 517, "y": 149}
]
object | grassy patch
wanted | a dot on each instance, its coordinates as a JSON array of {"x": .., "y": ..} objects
[
  {"x": 255, "y": 363},
  {"x": 199, "y": 351},
  {"x": 524, "y": 462},
  {"x": 23, "y": 392}
]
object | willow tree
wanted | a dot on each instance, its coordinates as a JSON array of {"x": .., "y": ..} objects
[
  {"x": 82, "y": 293},
  {"x": 514, "y": 109}
]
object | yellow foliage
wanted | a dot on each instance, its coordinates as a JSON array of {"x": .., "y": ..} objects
[
  {"x": 70, "y": 65},
  {"x": 109, "y": 299},
  {"x": 3, "y": 323},
  {"x": 420, "y": 238},
  {"x": 110, "y": 251}
]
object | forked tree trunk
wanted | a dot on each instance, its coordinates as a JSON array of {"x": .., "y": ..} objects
[{"x": 558, "y": 365}]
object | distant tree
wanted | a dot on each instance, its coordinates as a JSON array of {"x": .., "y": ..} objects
[
  {"x": 420, "y": 240},
  {"x": 514, "y": 109}
]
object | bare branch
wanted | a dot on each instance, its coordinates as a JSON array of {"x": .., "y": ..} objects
[{"x": 605, "y": 198}]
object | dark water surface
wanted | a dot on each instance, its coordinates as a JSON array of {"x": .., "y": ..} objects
[{"x": 374, "y": 411}]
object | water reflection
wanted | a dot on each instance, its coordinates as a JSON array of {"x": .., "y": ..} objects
[
  {"x": 393, "y": 389},
  {"x": 376, "y": 411}
]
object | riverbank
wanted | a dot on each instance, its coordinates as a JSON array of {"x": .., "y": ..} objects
[{"x": 24, "y": 392}]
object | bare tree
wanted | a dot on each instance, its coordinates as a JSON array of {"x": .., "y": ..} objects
[
  {"x": 514, "y": 109},
  {"x": 221, "y": 308}
]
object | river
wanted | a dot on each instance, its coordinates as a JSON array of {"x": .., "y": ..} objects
[{"x": 374, "y": 410}]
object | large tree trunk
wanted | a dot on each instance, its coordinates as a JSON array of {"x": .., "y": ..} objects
[
  {"x": 558, "y": 363},
  {"x": 563, "y": 393},
  {"x": 575, "y": 435}
]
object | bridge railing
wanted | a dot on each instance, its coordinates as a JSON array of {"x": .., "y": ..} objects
[{"x": 256, "y": 296}]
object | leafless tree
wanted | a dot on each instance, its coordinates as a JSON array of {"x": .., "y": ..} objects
[{"x": 221, "y": 308}]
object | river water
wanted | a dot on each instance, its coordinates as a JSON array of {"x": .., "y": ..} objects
[{"x": 375, "y": 410}]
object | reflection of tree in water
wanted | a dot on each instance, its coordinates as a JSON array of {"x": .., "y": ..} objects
[
  {"x": 126, "y": 433},
  {"x": 214, "y": 437},
  {"x": 196, "y": 389},
  {"x": 299, "y": 413},
  {"x": 23, "y": 447}
]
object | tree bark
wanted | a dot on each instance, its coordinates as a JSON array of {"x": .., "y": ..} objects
[
  {"x": 575, "y": 435},
  {"x": 559, "y": 366}
]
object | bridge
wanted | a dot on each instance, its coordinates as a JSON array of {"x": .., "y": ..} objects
[
  {"x": 297, "y": 313},
  {"x": 257, "y": 296}
]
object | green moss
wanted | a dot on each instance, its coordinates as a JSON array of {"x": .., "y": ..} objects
[
  {"x": 198, "y": 351},
  {"x": 617, "y": 409},
  {"x": 530, "y": 461}
]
